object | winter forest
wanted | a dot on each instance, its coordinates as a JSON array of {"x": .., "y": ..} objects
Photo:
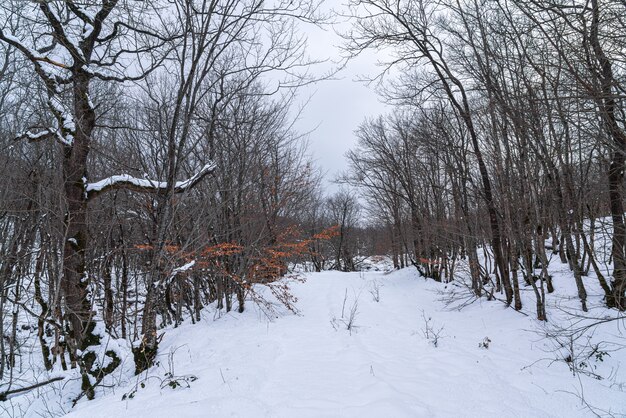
[{"x": 171, "y": 245}]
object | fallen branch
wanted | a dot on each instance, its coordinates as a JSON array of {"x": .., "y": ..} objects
[{"x": 5, "y": 395}]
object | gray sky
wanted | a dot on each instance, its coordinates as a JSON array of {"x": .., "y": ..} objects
[{"x": 337, "y": 106}]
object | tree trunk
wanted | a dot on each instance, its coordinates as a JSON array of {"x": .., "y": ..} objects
[
  {"x": 616, "y": 168},
  {"x": 75, "y": 280}
]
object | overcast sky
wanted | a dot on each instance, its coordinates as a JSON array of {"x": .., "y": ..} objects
[{"x": 337, "y": 106}]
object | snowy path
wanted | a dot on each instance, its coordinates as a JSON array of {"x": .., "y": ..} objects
[{"x": 300, "y": 366}]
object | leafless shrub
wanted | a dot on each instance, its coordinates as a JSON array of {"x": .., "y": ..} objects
[
  {"x": 431, "y": 332},
  {"x": 375, "y": 290},
  {"x": 484, "y": 343},
  {"x": 348, "y": 317},
  {"x": 170, "y": 378}
]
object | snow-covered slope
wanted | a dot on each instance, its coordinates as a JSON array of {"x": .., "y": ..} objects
[{"x": 310, "y": 365}]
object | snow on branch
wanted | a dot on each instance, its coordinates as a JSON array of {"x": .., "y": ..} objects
[
  {"x": 127, "y": 182},
  {"x": 45, "y": 134},
  {"x": 67, "y": 127},
  {"x": 16, "y": 43},
  {"x": 183, "y": 268},
  {"x": 65, "y": 118},
  {"x": 33, "y": 56},
  {"x": 175, "y": 272},
  {"x": 36, "y": 136}
]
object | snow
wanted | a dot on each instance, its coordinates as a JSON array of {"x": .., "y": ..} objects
[
  {"x": 147, "y": 183},
  {"x": 124, "y": 178},
  {"x": 30, "y": 52},
  {"x": 10, "y": 38},
  {"x": 36, "y": 136},
  {"x": 204, "y": 170},
  {"x": 183, "y": 268},
  {"x": 88, "y": 30},
  {"x": 309, "y": 365},
  {"x": 120, "y": 347},
  {"x": 176, "y": 271},
  {"x": 66, "y": 118}
]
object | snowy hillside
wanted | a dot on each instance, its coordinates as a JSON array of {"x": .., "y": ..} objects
[{"x": 483, "y": 361}]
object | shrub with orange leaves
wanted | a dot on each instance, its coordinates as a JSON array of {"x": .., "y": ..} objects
[
  {"x": 272, "y": 260},
  {"x": 265, "y": 264},
  {"x": 254, "y": 263}
]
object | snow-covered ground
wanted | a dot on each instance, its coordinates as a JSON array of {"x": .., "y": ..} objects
[{"x": 311, "y": 365}]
